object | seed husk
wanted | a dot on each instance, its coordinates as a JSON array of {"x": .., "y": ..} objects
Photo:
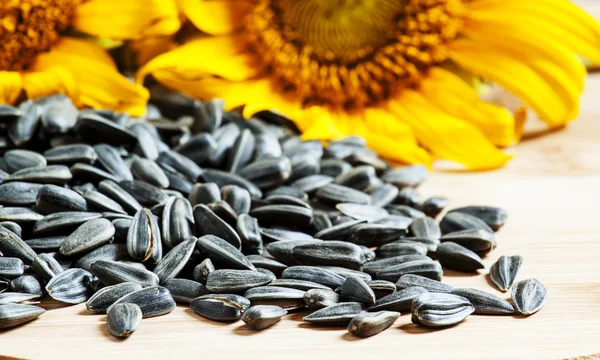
[
  {"x": 111, "y": 252},
  {"x": 406, "y": 176},
  {"x": 410, "y": 280},
  {"x": 198, "y": 148},
  {"x": 11, "y": 267},
  {"x": 529, "y": 296},
  {"x": 288, "y": 191},
  {"x": 457, "y": 221},
  {"x": 111, "y": 160},
  {"x": 237, "y": 197},
  {"x": 22, "y": 130},
  {"x": 202, "y": 270},
  {"x": 18, "y": 193},
  {"x": 149, "y": 171},
  {"x": 337, "y": 314},
  {"x": 52, "y": 199},
  {"x": 143, "y": 239},
  {"x": 208, "y": 223},
  {"x": 456, "y": 257},
  {"x": 430, "y": 243},
  {"x": 425, "y": 227},
  {"x": 334, "y": 167},
  {"x": 95, "y": 128},
  {"x": 339, "y": 231},
  {"x": 115, "y": 272},
  {"x": 103, "y": 298},
  {"x": 427, "y": 268},
  {"x": 222, "y": 252},
  {"x": 222, "y": 178},
  {"x": 180, "y": 163},
  {"x": 101, "y": 202},
  {"x": 400, "y": 301},
  {"x": 19, "y": 215},
  {"x": 70, "y": 286},
  {"x": 87, "y": 172},
  {"x": 404, "y": 210},
  {"x": 146, "y": 194},
  {"x": 176, "y": 221},
  {"x": 367, "y": 324},
  {"x": 382, "y": 288},
  {"x": 18, "y": 298},
  {"x": 249, "y": 233},
  {"x": 373, "y": 267},
  {"x": 433, "y": 206},
  {"x": 235, "y": 281},
  {"x": 216, "y": 309},
  {"x": 320, "y": 298},
  {"x": 362, "y": 212},
  {"x": 283, "y": 215},
  {"x": 440, "y": 310},
  {"x": 46, "y": 244},
  {"x": 12, "y": 226},
  {"x": 261, "y": 262},
  {"x": 282, "y": 250},
  {"x": 408, "y": 196},
  {"x": 504, "y": 271},
  {"x": 71, "y": 154},
  {"x": 266, "y": 146},
  {"x": 303, "y": 285},
  {"x": 399, "y": 248},
  {"x": 260, "y": 317},
  {"x": 52, "y": 174},
  {"x": 224, "y": 211},
  {"x": 383, "y": 195},
  {"x": 153, "y": 301},
  {"x": 123, "y": 319},
  {"x": 12, "y": 315},
  {"x": 46, "y": 266},
  {"x": 118, "y": 194},
  {"x": 333, "y": 194},
  {"x": 285, "y": 298},
  {"x": 344, "y": 272},
  {"x": 332, "y": 253},
  {"x": 185, "y": 290},
  {"x": 485, "y": 303},
  {"x": 11, "y": 245},
  {"x": 356, "y": 289},
  {"x": 18, "y": 159},
  {"x": 30, "y": 284},
  {"x": 204, "y": 194},
  {"x": 313, "y": 274},
  {"x": 303, "y": 166},
  {"x": 88, "y": 236},
  {"x": 494, "y": 217},
  {"x": 172, "y": 263},
  {"x": 372, "y": 235}
]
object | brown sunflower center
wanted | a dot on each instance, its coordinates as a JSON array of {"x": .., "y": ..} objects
[
  {"x": 351, "y": 53},
  {"x": 29, "y": 27}
]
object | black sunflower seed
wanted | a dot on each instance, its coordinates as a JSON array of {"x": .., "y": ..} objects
[
  {"x": 425, "y": 227},
  {"x": 356, "y": 289},
  {"x": 457, "y": 221},
  {"x": 283, "y": 297},
  {"x": 504, "y": 271},
  {"x": 115, "y": 272},
  {"x": 406, "y": 176},
  {"x": 202, "y": 270},
  {"x": 52, "y": 174},
  {"x": 337, "y": 314},
  {"x": 222, "y": 252},
  {"x": 433, "y": 206},
  {"x": 427, "y": 268},
  {"x": 208, "y": 223},
  {"x": 146, "y": 194},
  {"x": 21, "y": 130},
  {"x": 398, "y": 248},
  {"x": 311, "y": 183},
  {"x": 529, "y": 296},
  {"x": 88, "y": 236},
  {"x": 410, "y": 280},
  {"x": 11, "y": 245},
  {"x": 320, "y": 298},
  {"x": 19, "y": 193},
  {"x": 494, "y": 217},
  {"x": 485, "y": 303},
  {"x": 185, "y": 290},
  {"x": 373, "y": 267},
  {"x": 260, "y": 317},
  {"x": 153, "y": 301},
  {"x": 143, "y": 239},
  {"x": 372, "y": 323},
  {"x": 149, "y": 171},
  {"x": 456, "y": 257},
  {"x": 18, "y": 159},
  {"x": 53, "y": 199},
  {"x": 235, "y": 281},
  {"x": 123, "y": 319},
  {"x": 333, "y": 253},
  {"x": 172, "y": 263},
  {"x": 282, "y": 215},
  {"x": 204, "y": 194},
  {"x": 12, "y": 315},
  {"x": 237, "y": 197},
  {"x": 95, "y": 128},
  {"x": 222, "y": 178},
  {"x": 313, "y": 274},
  {"x": 71, "y": 154},
  {"x": 70, "y": 286},
  {"x": 249, "y": 233},
  {"x": 404, "y": 210},
  {"x": 334, "y": 194},
  {"x": 440, "y": 310},
  {"x": 105, "y": 297},
  {"x": 400, "y": 300},
  {"x": 11, "y": 267}
]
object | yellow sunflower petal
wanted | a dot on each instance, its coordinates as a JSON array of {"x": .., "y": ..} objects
[
  {"x": 446, "y": 136},
  {"x": 452, "y": 95},
  {"x": 56, "y": 79},
  {"x": 73, "y": 46},
  {"x": 216, "y": 17},
  {"x": 99, "y": 83},
  {"x": 219, "y": 56},
  {"x": 130, "y": 19},
  {"x": 11, "y": 84}
]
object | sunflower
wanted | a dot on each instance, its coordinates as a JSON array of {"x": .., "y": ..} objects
[
  {"x": 397, "y": 72},
  {"x": 38, "y": 57}
]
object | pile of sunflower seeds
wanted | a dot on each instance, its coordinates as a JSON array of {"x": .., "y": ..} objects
[{"x": 238, "y": 219}]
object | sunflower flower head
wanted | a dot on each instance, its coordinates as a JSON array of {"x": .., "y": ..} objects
[
  {"x": 392, "y": 71},
  {"x": 39, "y": 56}
]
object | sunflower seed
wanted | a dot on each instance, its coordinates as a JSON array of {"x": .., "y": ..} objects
[
  {"x": 333, "y": 194},
  {"x": 485, "y": 303},
  {"x": 404, "y": 210},
  {"x": 382, "y": 288},
  {"x": 249, "y": 233},
  {"x": 101, "y": 202},
  {"x": 220, "y": 251},
  {"x": 111, "y": 161},
  {"x": 21, "y": 131},
  {"x": 494, "y": 217},
  {"x": 457, "y": 221},
  {"x": 11, "y": 267},
  {"x": 177, "y": 182},
  {"x": 313, "y": 274},
  {"x": 440, "y": 310},
  {"x": 303, "y": 166},
  {"x": 198, "y": 148},
  {"x": 235, "y": 281},
  {"x": 144, "y": 193},
  {"x": 408, "y": 196},
  {"x": 373, "y": 267},
  {"x": 180, "y": 164},
  {"x": 12, "y": 315},
  {"x": 288, "y": 191},
  {"x": 406, "y": 176},
  {"x": 12, "y": 226},
  {"x": 204, "y": 194},
  {"x": 311, "y": 147},
  {"x": 238, "y": 198},
  {"x": 87, "y": 172},
  {"x": 431, "y": 244},
  {"x": 398, "y": 301},
  {"x": 71, "y": 154},
  {"x": 237, "y": 301},
  {"x": 260, "y": 317},
  {"x": 241, "y": 152},
  {"x": 224, "y": 211},
  {"x": 285, "y": 298},
  {"x": 105, "y": 297},
  {"x": 383, "y": 195},
  {"x": 426, "y": 268},
  {"x": 298, "y": 284},
  {"x": 224, "y": 136},
  {"x": 153, "y": 301},
  {"x": 433, "y": 206},
  {"x": 367, "y": 324},
  {"x": 216, "y": 309},
  {"x": 456, "y": 257},
  {"x": 184, "y": 290},
  {"x": 332, "y": 253},
  {"x": 282, "y": 250},
  {"x": 425, "y": 227},
  {"x": 118, "y": 194},
  {"x": 53, "y": 174},
  {"x": 336, "y": 314},
  {"x": 410, "y": 280},
  {"x": 334, "y": 167},
  {"x": 399, "y": 248},
  {"x": 114, "y": 272},
  {"x": 95, "y": 128},
  {"x": 70, "y": 286},
  {"x": 290, "y": 215},
  {"x": 504, "y": 271},
  {"x": 222, "y": 178},
  {"x": 62, "y": 221},
  {"x": 143, "y": 239},
  {"x": 320, "y": 298},
  {"x": 362, "y": 212},
  {"x": 529, "y": 296},
  {"x": 266, "y": 146},
  {"x": 372, "y": 235},
  {"x": 146, "y": 143},
  {"x": 46, "y": 266},
  {"x": 52, "y": 199},
  {"x": 88, "y": 236},
  {"x": 202, "y": 270},
  {"x": 111, "y": 252},
  {"x": 208, "y": 115},
  {"x": 272, "y": 235},
  {"x": 356, "y": 289},
  {"x": 172, "y": 263},
  {"x": 340, "y": 231},
  {"x": 12, "y": 246},
  {"x": 359, "y": 178},
  {"x": 311, "y": 183},
  {"x": 148, "y": 171},
  {"x": 123, "y": 319},
  {"x": 17, "y": 159},
  {"x": 9, "y": 113},
  {"x": 30, "y": 284}
]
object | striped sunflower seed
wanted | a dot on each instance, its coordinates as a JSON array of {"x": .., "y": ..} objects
[
  {"x": 224, "y": 211},
  {"x": 362, "y": 212},
  {"x": 114, "y": 272},
  {"x": 208, "y": 223},
  {"x": 283, "y": 250},
  {"x": 172, "y": 263},
  {"x": 494, "y": 217},
  {"x": 285, "y": 298},
  {"x": 320, "y": 298},
  {"x": 312, "y": 183},
  {"x": 222, "y": 178},
  {"x": 425, "y": 227},
  {"x": 399, "y": 248},
  {"x": 408, "y": 196},
  {"x": 238, "y": 198},
  {"x": 18, "y": 193},
  {"x": 153, "y": 301},
  {"x": 433, "y": 206},
  {"x": 18, "y": 298},
  {"x": 359, "y": 178},
  {"x": 457, "y": 221},
  {"x": 176, "y": 221},
  {"x": 22, "y": 130},
  {"x": 111, "y": 160},
  {"x": 271, "y": 235},
  {"x": 356, "y": 289},
  {"x": 95, "y": 128},
  {"x": 340, "y": 231},
  {"x": 260, "y": 317},
  {"x": 333, "y": 194},
  {"x": 261, "y": 262},
  {"x": 399, "y": 301},
  {"x": 11, "y": 267},
  {"x": 143, "y": 239},
  {"x": 71, "y": 154},
  {"x": 118, "y": 194},
  {"x": 288, "y": 191},
  {"x": 88, "y": 236},
  {"x": 456, "y": 257},
  {"x": 12, "y": 315},
  {"x": 477, "y": 240},
  {"x": 485, "y": 303},
  {"x": 18, "y": 159},
  {"x": 63, "y": 221},
  {"x": 504, "y": 271},
  {"x": 382, "y": 288},
  {"x": 101, "y": 202},
  {"x": 198, "y": 148},
  {"x": 410, "y": 280},
  {"x": 46, "y": 266},
  {"x": 337, "y": 314},
  {"x": 70, "y": 286},
  {"x": 332, "y": 253},
  {"x": 283, "y": 215},
  {"x": 123, "y": 319},
  {"x": 105, "y": 297},
  {"x": 334, "y": 167},
  {"x": 373, "y": 267},
  {"x": 12, "y": 246},
  {"x": 529, "y": 296},
  {"x": 149, "y": 171},
  {"x": 303, "y": 166},
  {"x": 204, "y": 194},
  {"x": 303, "y": 285},
  {"x": 372, "y": 235},
  {"x": 235, "y": 281},
  {"x": 266, "y": 146},
  {"x": 440, "y": 310},
  {"x": 426, "y": 268},
  {"x": 406, "y": 176},
  {"x": 12, "y": 226},
  {"x": 367, "y": 324},
  {"x": 87, "y": 172},
  {"x": 202, "y": 270},
  {"x": 405, "y": 210},
  {"x": 345, "y": 273},
  {"x": 249, "y": 233},
  {"x": 216, "y": 310},
  {"x": 179, "y": 163},
  {"x": 313, "y": 274},
  {"x": 19, "y": 215},
  {"x": 53, "y": 199},
  {"x": 30, "y": 284},
  {"x": 111, "y": 252},
  {"x": 52, "y": 174},
  {"x": 222, "y": 252},
  {"x": 146, "y": 194},
  {"x": 185, "y": 290}
]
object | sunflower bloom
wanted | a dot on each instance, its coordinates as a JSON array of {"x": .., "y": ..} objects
[
  {"x": 37, "y": 56},
  {"x": 392, "y": 71}
]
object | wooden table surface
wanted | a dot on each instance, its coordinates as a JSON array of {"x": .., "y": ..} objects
[{"x": 552, "y": 192}]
